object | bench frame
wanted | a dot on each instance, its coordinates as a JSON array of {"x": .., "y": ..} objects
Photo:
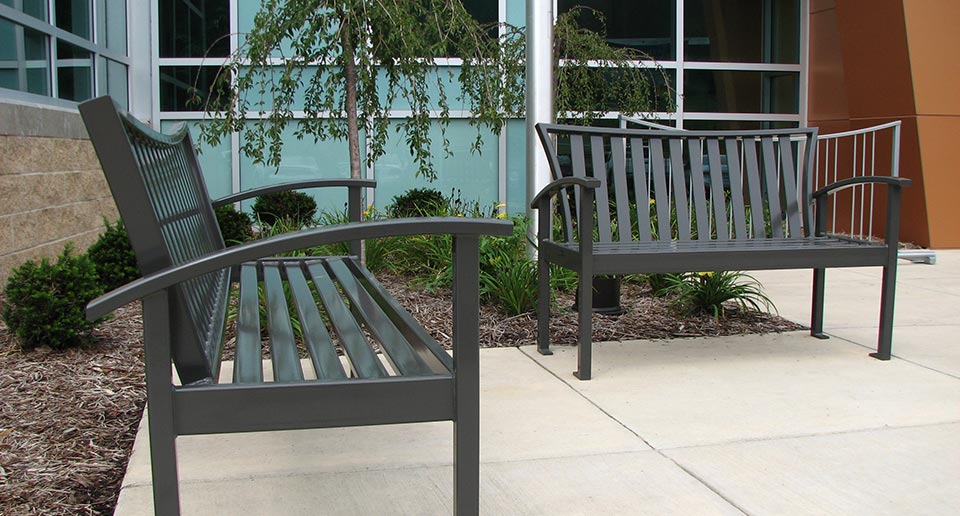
[
  {"x": 760, "y": 158},
  {"x": 200, "y": 405}
]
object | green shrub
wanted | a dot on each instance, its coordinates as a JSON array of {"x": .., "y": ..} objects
[
  {"x": 295, "y": 208},
  {"x": 45, "y": 302},
  {"x": 658, "y": 282},
  {"x": 417, "y": 202},
  {"x": 235, "y": 226},
  {"x": 708, "y": 291},
  {"x": 113, "y": 257},
  {"x": 509, "y": 281}
]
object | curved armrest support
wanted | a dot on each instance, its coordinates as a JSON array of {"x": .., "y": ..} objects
[
  {"x": 548, "y": 191},
  {"x": 294, "y": 185},
  {"x": 231, "y": 256},
  {"x": 896, "y": 182}
]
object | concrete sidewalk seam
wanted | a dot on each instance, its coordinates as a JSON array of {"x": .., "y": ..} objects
[{"x": 803, "y": 436}]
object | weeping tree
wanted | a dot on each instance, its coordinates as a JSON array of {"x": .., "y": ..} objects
[
  {"x": 592, "y": 77},
  {"x": 345, "y": 63}
]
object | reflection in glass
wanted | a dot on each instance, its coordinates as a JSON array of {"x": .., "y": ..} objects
[
  {"x": 74, "y": 72},
  {"x": 23, "y": 59},
  {"x": 744, "y": 31},
  {"x": 73, "y": 16},
  {"x": 34, "y": 8},
  {"x": 717, "y": 91},
  {"x": 179, "y": 85},
  {"x": 194, "y": 29},
  {"x": 647, "y": 25},
  {"x": 736, "y": 125},
  {"x": 112, "y": 24}
]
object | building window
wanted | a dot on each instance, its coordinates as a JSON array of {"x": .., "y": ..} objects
[
  {"x": 71, "y": 51},
  {"x": 728, "y": 60}
]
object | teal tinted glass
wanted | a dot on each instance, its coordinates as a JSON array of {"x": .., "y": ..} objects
[
  {"x": 194, "y": 29},
  {"x": 214, "y": 161},
  {"x": 303, "y": 160},
  {"x": 517, "y": 167},
  {"x": 473, "y": 176},
  {"x": 74, "y": 16},
  {"x": 74, "y": 72}
]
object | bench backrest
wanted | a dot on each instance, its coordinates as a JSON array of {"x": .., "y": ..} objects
[
  {"x": 163, "y": 201},
  {"x": 686, "y": 185}
]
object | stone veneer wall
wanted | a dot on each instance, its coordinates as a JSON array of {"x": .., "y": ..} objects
[{"x": 51, "y": 188}]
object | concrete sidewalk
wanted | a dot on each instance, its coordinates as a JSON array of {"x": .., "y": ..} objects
[{"x": 761, "y": 424}]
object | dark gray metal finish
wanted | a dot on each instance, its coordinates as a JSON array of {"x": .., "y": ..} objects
[
  {"x": 723, "y": 200},
  {"x": 159, "y": 189}
]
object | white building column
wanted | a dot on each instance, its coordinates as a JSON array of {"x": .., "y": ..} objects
[{"x": 539, "y": 94}]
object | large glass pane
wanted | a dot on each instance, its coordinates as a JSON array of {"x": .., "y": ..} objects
[
  {"x": 736, "y": 125},
  {"x": 73, "y": 16},
  {"x": 746, "y": 31},
  {"x": 35, "y": 8},
  {"x": 186, "y": 88},
  {"x": 190, "y": 28},
  {"x": 24, "y": 58},
  {"x": 214, "y": 161},
  {"x": 516, "y": 167},
  {"x": 719, "y": 91},
  {"x": 302, "y": 160},
  {"x": 601, "y": 89},
  {"x": 473, "y": 175},
  {"x": 117, "y": 84},
  {"x": 647, "y": 25},
  {"x": 74, "y": 72},
  {"x": 112, "y": 24}
]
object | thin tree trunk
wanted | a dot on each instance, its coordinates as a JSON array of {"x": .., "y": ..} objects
[{"x": 353, "y": 126}]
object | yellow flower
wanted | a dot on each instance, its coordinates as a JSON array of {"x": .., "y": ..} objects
[
  {"x": 502, "y": 215},
  {"x": 652, "y": 202},
  {"x": 705, "y": 274}
]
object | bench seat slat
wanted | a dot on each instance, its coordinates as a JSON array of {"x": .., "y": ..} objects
[
  {"x": 712, "y": 255},
  {"x": 283, "y": 349},
  {"x": 397, "y": 350},
  {"x": 323, "y": 355},
  {"x": 363, "y": 361},
  {"x": 248, "y": 366},
  {"x": 619, "y": 152},
  {"x": 424, "y": 344}
]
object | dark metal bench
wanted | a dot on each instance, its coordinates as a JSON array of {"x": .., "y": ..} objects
[
  {"x": 656, "y": 201},
  {"x": 188, "y": 273}
]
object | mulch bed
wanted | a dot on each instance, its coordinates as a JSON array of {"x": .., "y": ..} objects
[{"x": 68, "y": 418}]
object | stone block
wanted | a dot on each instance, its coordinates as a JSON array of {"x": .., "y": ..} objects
[{"x": 30, "y": 154}]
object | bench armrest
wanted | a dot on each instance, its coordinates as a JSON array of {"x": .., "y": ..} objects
[
  {"x": 294, "y": 185},
  {"x": 232, "y": 256},
  {"x": 895, "y": 185},
  {"x": 896, "y": 182},
  {"x": 555, "y": 186}
]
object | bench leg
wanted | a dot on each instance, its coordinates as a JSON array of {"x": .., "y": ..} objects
[
  {"x": 543, "y": 307},
  {"x": 585, "y": 327},
  {"x": 163, "y": 452},
  {"x": 816, "y": 311},
  {"x": 885, "y": 341},
  {"x": 466, "y": 354}
]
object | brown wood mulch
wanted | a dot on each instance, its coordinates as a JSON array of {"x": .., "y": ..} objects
[{"x": 68, "y": 418}]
